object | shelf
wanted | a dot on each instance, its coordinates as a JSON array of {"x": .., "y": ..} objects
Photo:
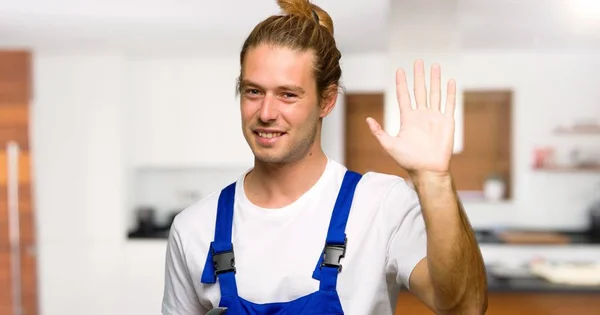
[
  {"x": 577, "y": 131},
  {"x": 566, "y": 168}
]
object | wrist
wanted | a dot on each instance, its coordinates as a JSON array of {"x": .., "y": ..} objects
[{"x": 430, "y": 178}]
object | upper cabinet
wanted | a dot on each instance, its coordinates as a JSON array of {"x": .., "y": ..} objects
[
  {"x": 15, "y": 77},
  {"x": 184, "y": 113}
]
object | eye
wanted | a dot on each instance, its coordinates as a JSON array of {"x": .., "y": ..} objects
[
  {"x": 289, "y": 95},
  {"x": 252, "y": 92}
]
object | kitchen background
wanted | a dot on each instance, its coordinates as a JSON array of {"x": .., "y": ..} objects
[{"x": 133, "y": 109}]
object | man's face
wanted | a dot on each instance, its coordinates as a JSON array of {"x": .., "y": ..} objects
[{"x": 279, "y": 103}]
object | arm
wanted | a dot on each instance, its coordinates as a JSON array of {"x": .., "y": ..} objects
[
  {"x": 179, "y": 297},
  {"x": 452, "y": 279}
]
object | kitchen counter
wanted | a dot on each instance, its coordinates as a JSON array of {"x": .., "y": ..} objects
[
  {"x": 522, "y": 296},
  {"x": 575, "y": 237},
  {"x": 536, "y": 285},
  {"x": 158, "y": 234},
  {"x": 520, "y": 303},
  {"x": 483, "y": 236}
]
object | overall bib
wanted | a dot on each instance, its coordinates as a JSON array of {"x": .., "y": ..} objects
[{"x": 220, "y": 262}]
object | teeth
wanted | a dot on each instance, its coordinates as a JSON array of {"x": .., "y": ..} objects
[{"x": 269, "y": 135}]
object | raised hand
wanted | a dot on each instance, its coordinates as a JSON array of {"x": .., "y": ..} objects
[{"x": 426, "y": 137}]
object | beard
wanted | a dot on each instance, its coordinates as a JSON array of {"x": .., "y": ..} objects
[{"x": 292, "y": 147}]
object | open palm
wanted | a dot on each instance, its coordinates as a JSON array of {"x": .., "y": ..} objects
[{"x": 426, "y": 136}]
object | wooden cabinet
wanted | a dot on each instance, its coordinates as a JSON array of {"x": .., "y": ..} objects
[
  {"x": 486, "y": 146},
  {"x": 519, "y": 303},
  {"x": 18, "y": 289},
  {"x": 363, "y": 153}
]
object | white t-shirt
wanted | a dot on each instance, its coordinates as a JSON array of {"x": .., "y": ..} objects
[{"x": 276, "y": 250}]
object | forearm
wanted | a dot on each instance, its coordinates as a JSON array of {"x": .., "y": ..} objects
[{"x": 454, "y": 260}]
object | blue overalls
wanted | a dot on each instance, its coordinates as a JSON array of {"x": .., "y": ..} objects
[{"x": 220, "y": 262}]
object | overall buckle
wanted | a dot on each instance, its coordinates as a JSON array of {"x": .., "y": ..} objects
[
  {"x": 224, "y": 262},
  {"x": 333, "y": 254}
]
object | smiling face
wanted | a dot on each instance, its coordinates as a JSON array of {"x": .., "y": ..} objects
[{"x": 281, "y": 115}]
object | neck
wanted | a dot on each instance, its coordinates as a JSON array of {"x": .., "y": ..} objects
[{"x": 277, "y": 185}]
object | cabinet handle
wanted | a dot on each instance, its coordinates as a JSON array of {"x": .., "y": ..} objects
[{"x": 12, "y": 152}]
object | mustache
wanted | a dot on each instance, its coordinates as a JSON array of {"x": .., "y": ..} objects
[{"x": 264, "y": 125}]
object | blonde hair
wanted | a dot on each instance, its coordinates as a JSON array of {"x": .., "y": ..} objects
[{"x": 301, "y": 26}]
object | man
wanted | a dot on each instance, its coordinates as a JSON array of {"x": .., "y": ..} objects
[{"x": 299, "y": 233}]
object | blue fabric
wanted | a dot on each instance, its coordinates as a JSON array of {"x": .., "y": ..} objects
[
  {"x": 325, "y": 301},
  {"x": 223, "y": 227},
  {"x": 337, "y": 226}
]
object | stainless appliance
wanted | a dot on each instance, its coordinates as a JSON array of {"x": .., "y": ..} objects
[{"x": 594, "y": 217}]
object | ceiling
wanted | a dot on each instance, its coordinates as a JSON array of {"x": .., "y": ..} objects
[
  {"x": 199, "y": 26},
  {"x": 217, "y": 27},
  {"x": 530, "y": 24}
]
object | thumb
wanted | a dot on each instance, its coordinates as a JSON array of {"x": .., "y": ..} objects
[{"x": 378, "y": 132}]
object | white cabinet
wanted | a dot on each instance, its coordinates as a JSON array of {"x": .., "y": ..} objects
[{"x": 184, "y": 112}]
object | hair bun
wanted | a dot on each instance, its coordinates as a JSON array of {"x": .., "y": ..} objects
[{"x": 305, "y": 9}]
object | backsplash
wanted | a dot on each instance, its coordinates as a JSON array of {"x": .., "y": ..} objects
[{"x": 170, "y": 190}]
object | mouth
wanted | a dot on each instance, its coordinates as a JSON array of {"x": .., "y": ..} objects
[{"x": 269, "y": 135}]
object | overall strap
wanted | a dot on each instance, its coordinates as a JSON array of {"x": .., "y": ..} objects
[
  {"x": 329, "y": 264},
  {"x": 220, "y": 261}
]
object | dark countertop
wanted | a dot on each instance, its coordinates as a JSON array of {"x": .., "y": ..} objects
[
  {"x": 535, "y": 285},
  {"x": 576, "y": 237},
  {"x": 483, "y": 236},
  {"x": 157, "y": 234}
]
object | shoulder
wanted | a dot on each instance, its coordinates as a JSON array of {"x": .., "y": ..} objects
[
  {"x": 195, "y": 224},
  {"x": 386, "y": 187},
  {"x": 379, "y": 188},
  {"x": 393, "y": 199}
]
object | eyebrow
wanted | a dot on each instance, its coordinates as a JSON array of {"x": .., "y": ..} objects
[{"x": 294, "y": 88}]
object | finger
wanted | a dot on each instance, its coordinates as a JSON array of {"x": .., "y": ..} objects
[
  {"x": 435, "y": 95},
  {"x": 420, "y": 88},
  {"x": 402, "y": 92},
  {"x": 450, "y": 98},
  {"x": 378, "y": 132}
]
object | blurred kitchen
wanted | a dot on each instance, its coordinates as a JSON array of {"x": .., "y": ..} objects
[{"x": 116, "y": 115}]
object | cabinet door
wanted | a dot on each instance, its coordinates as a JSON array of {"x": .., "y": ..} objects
[
  {"x": 18, "y": 289},
  {"x": 518, "y": 303}
]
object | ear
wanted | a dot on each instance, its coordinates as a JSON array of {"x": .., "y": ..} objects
[{"x": 328, "y": 103}]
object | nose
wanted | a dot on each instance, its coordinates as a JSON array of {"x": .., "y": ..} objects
[{"x": 268, "y": 109}]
